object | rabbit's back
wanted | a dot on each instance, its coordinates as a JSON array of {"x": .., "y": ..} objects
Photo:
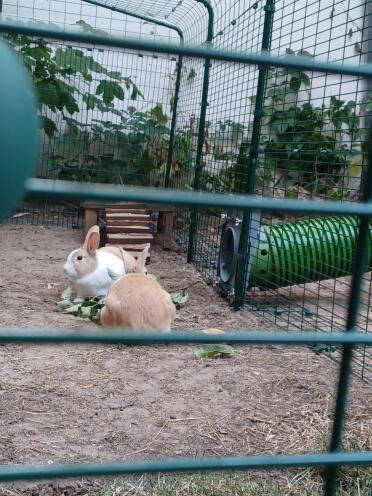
[{"x": 137, "y": 302}]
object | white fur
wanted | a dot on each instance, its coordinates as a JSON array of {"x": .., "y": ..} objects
[
  {"x": 97, "y": 283},
  {"x": 69, "y": 267}
]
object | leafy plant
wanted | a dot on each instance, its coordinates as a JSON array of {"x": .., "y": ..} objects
[
  {"x": 229, "y": 179},
  {"x": 191, "y": 75},
  {"x": 69, "y": 80},
  {"x": 131, "y": 149},
  {"x": 306, "y": 144},
  {"x": 303, "y": 147},
  {"x": 62, "y": 78},
  {"x": 183, "y": 155}
]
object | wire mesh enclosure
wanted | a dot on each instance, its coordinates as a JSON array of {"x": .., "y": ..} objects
[
  {"x": 135, "y": 117},
  {"x": 211, "y": 118}
]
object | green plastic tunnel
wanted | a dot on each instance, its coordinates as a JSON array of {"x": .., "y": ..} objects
[{"x": 304, "y": 251}]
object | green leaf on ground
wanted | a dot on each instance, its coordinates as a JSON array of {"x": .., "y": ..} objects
[
  {"x": 323, "y": 348},
  {"x": 180, "y": 298},
  {"x": 214, "y": 351},
  {"x": 66, "y": 294},
  {"x": 65, "y": 301}
]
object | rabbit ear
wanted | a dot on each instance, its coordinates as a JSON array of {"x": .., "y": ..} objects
[
  {"x": 92, "y": 240},
  {"x": 141, "y": 260}
]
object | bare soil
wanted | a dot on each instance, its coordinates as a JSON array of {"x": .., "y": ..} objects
[{"x": 94, "y": 403}]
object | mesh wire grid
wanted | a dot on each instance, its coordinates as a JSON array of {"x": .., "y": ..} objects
[{"x": 289, "y": 144}]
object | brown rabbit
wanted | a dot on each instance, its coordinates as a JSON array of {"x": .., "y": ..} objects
[{"x": 138, "y": 302}]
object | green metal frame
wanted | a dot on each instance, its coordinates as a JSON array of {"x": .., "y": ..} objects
[
  {"x": 200, "y": 52},
  {"x": 360, "y": 264},
  {"x": 47, "y": 188},
  {"x": 59, "y": 189},
  {"x": 130, "y": 13},
  {"x": 30, "y": 472},
  {"x": 243, "y": 255},
  {"x": 173, "y": 123},
  {"x": 201, "y": 132}
]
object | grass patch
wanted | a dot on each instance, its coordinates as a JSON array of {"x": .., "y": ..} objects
[{"x": 305, "y": 482}]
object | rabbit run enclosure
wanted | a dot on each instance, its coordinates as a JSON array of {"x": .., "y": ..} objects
[
  {"x": 132, "y": 117},
  {"x": 251, "y": 118}
]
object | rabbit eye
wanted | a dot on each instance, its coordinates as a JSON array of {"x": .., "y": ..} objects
[{"x": 80, "y": 257}]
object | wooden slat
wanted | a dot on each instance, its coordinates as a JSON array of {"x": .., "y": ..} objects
[
  {"x": 129, "y": 238},
  {"x": 127, "y": 222},
  {"x": 128, "y": 216},
  {"x": 135, "y": 211},
  {"x": 131, "y": 206},
  {"x": 127, "y": 229},
  {"x": 149, "y": 206}
]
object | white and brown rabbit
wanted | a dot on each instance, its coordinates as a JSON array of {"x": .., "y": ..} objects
[
  {"x": 138, "y": 302},
  {"x": 88, "y": 267}
]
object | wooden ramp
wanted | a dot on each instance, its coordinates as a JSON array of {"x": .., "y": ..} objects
[{"x": 128, "y": 225}]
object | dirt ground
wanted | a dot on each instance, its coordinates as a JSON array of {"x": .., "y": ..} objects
[{"x": 95, "y": 403}]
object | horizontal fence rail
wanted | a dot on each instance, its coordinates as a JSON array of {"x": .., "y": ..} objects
[
  {"x": 32, "y": 472},
  {"x": 239, "y": 337},
  {"x": 48, "y": 188},
  {"x": 261, "y": 59}
]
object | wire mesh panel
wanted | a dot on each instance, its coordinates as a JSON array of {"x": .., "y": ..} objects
[
  {"x": 311, "y": 143},
  {"x": 106, "y": 113}
]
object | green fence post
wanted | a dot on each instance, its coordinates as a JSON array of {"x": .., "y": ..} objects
[
  {"x": 174, "y": 121},
  {"x": 251, "y": 160},
  {"x": 360, "y": 266},
  {"x": 199, "y": 149}
]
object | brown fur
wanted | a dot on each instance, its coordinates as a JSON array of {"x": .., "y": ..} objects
[{"x": 137, "y": 302}]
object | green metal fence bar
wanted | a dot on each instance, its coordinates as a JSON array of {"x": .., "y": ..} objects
[
  {"x": 47, "y": 188},
  {"x": 32, "y": 472},
  {"x": 262, "y": 59},
  {"x": 173, "y": 122},
  {"x": 130, "y": 13},
  {"x": 201, "y": 132},
  {"x": 145, "y": 339},
  {"x": 360, "y": 265},
  {"x": 242, "y": 260}
]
